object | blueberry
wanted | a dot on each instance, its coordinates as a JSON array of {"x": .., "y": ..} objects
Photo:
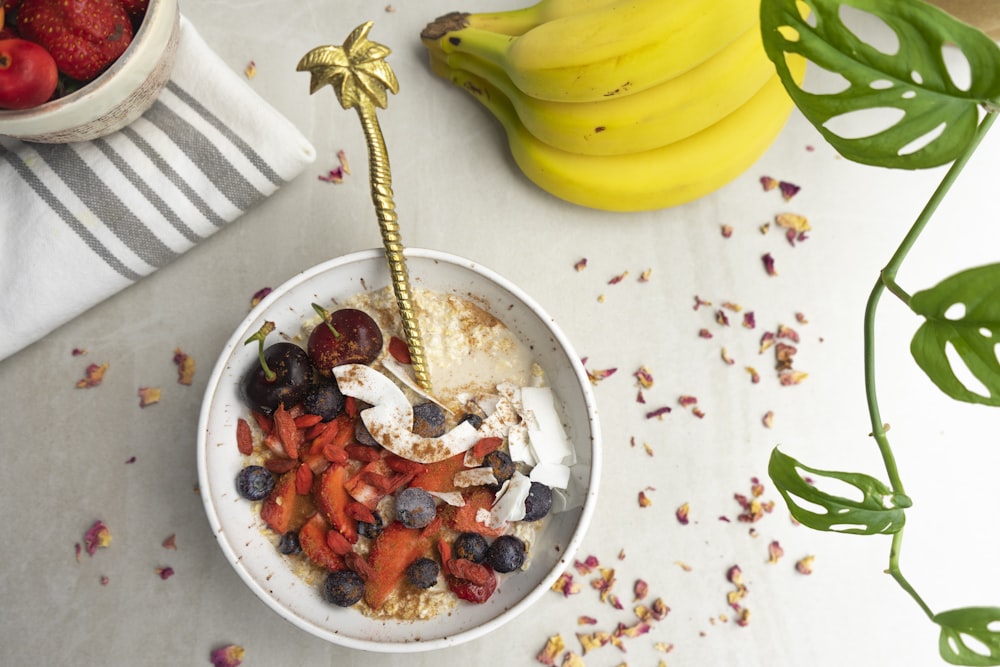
[
  {"x": 343, "y": 588},
  {"x": 503, "y": 466},
  {"x": 428, "y": 420},
  {"x": 423, "y": 573},
  {"x": 506, "y": 554},
  {"x": 289, "y": 543},
  {"x": 415, "y": 507},
  {"x": 371, "y": 530},
  {"x": 362, "y": 435},
  {"x": 538, "y": 503},
  {"x": 254, "y": 482},
  {"x": 471, "y": 546},
  {"x": 323, "y": 399},
  {"x": 472, "y": 418}
]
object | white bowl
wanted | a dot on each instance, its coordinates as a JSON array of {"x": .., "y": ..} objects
[
  {"x": 242, "y": 534},
  {"x": 114, "y": 99}
]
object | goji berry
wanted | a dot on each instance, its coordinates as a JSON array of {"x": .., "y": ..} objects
[
  {"x": 399, "y": 350},
  {"x": 244, "y": 438},
  {"x": 303, "y": 480}
]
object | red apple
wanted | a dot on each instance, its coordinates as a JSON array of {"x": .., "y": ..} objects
[{"x": 28, "y": 74}]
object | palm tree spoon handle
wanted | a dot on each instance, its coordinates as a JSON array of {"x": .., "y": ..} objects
[{"x": 360, "y": 76}]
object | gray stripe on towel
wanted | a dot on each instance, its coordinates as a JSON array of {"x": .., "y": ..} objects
[
  {"x": 205, "y": 155},
  {"x": 255, "y": 159},
  {"x": 60, "y": 209},
  {"x": 171, "y": 174},
  {"x": 105, "y": 204},
  {"x": 146, "y": 191}
]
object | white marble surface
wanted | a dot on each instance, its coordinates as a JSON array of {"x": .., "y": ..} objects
[{"x": 65, "y": 449}]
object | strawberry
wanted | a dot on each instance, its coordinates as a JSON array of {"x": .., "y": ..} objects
[
  {"x": 392, "y": 552},
  {"x": 332, "y": 499},
  {"x": 136, "y": 8},
  {"x": 278, "y": 510},
  {"x": 463, "y": 519},
  {"x": 83, "y": 36},
  {"x": 439, "y": 476},
  {"x": 473, "y": 592},
  {"x": 313, "y": 538}
]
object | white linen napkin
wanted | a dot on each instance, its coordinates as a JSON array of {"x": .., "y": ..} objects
[{"x": 81, "y": 221}]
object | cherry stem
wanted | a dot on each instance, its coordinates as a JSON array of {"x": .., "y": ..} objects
[
  {"x": 325, "y": 314},
  {"x": 259, "y": 337}
]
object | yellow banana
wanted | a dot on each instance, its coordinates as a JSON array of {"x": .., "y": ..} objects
[
  {"x": 621, "y": 49},
  {"x": 513, "y": 21},
  {"x": 663, "y": 114},
  {"x": 659, "y": 178}
]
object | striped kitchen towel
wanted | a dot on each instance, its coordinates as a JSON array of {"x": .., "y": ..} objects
[{"x": 79, "y": 222}]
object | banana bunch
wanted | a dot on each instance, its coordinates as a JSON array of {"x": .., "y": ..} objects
[{"x": 621, "y": 105}]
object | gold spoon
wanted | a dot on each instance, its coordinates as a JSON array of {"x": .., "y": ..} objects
[{"x": 360, "y": 76}]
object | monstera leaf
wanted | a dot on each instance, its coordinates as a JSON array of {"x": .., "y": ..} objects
[
  {"x": 961, "y": 312},
  {"x": 878, "y": 511},
  {"x": 958, "y": 626},
  {"x": 939, "y": 115}
]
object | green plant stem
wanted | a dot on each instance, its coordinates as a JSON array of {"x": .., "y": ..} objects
[{"x": 887, "y": 281}]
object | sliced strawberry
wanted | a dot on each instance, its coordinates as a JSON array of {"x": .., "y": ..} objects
[
  {"x": 473, "y": 592},
  {"x": 364, "y": 491},
  {"x": 313, "y": 538},
  {"x": 440, "y": 476},
  {"x": 303, "y": 480},
  {"x": 392, "y": 552},
  {"x": 279, "y": 508},
  {"x": 332, "y": 499},
  {"x": 265, "y": 422},
  {"x": 485, "y": 446},
  {"x": 463, "y": 519}
]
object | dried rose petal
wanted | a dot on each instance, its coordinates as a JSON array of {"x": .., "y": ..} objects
[
  {"x": 789, "y": 378},
  {"x": 565, "y": 585},
  {"x": 658, "y": 413},
  {"x": 580, "y": 264},
  {"x": 259, "y": 295},
  {"x": 766, "y": 341},
  {"x": 105, "y": 580},
  {"x": 645, "y": 276},
  {"x": 698, "y": 412},
  {"x": 788, "y": 190},
  {"x": 792, "y": 221},
  {"x": 93, "y": 376},
  {"x": 644, "y": 500},
  {"x": 617, "y": 279},
  {"x": 754, "y": 375},
  {"x": 765, "y": 228},
  {"x": 130, "y": 459},
  {"x": 749, "y": 320},
  {"x": 682, "y": 513},
  {"x": 726, "y": 358},
  {"x": 699, "y": 302},
  {"x": 78, "y": 351},
  {"x": 165, "y": 572},
  {"x": 640, "y": 589},
  {"x": 768, "y": 261},
  {"x": 587, "y": 565},
  {"x": 727, "y": 231},
  {"x": 97, "y": 537},
  {"x": 721, "y": 318},
  {"x": 663, "y": 647},
  {"x": 649, "y": 450},
  {"x": 756, "y": 487},
  {"x": 227, "y": 656},
  {"x": 801, "y": 318},
  {"x": 170, "y": 542},
  {"x": 804, "y": 565},
  {"x": 743, "y": 619},
  {"x": 644, "y": 377},
  {"x": 185, "y": 367},
  {"x": 591, "y": 641},
  {"x": 250, "y": 71},
  {"x": 586, "y": 620},
  {"x": 634, "y": 630},
  {"x": 335, "y": 175},
  {"x": 596, "y": 376},
  {"x": 684, "y": 566},
  {"x": 148, "y": 396},
  {"x": 768, "y": 183},
  {"x": 785, "y": 331},
  {"x": 659, "y": 609},
  {"x": 768, "y": 419},
  {"x": 572, "y": 660},
  {"x": 774, "y": 552},
  {"x": 342, "y": 159},
  {"x": 704, "y": 333},
  {"x": 615, "y": 601},
  {"x": 687, "y": 401}
]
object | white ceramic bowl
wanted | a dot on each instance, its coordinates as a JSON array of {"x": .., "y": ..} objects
[
  {"x": 241, "y": 533},
  {"x": 114, "y": 99}
]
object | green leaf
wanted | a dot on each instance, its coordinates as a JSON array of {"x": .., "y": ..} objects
[
  {"x": 879, "y": 511},
  {"x": 913, "y": 79},
  {"x": 960, "y": 625},
  {"x": 973, "y": 333}
]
